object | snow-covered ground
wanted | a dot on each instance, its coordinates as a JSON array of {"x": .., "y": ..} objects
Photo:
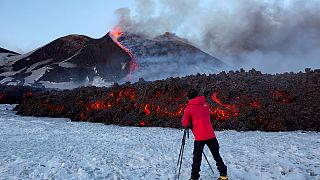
[{"x": 47, "y": 148}]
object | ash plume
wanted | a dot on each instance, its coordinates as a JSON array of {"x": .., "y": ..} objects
[{"x": 269, "y": 35}]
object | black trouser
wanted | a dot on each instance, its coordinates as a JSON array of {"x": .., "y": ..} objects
[{"x": 197, "y": 156}]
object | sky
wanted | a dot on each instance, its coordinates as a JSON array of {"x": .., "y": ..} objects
[
  {"x": 269, "y": 35},
  {"x": 26, "y": 25}
]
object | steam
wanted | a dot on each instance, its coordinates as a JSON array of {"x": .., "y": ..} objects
[{"x": 269, "y": 35}]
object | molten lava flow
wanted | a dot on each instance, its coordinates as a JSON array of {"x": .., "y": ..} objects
[
  {"x": 109, "y": 105},
  {"x": 98, "y": 105},
  {"x": 127, "y": 99},
  {"x": 142, "y": 123},
  {"x": 221, "y": 114},
  {"x": 146, "y": 110},
  {"x": 127, "y": 93},
  {"x": 115, "y": 34},
  {"x": 227, "y": 112},
  {"x": 180, "y": 110},
  {"x": 113, "y": 99},
  {"x": 149, "y": 108}
]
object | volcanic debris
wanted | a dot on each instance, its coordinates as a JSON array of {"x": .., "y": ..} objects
[{"x": 238, "y": 100}]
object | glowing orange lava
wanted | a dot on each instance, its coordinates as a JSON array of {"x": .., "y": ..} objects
[
  {"x": 98, "y": 105},
  {"x": 228, "y": 111},
  {"x": 221, "y": 114},
  {"x": 146, "y": 110},
  {"x": 126, "y": 93},
  {"x": 142, "y": 123},
  {"x": 115, "y": 34}
]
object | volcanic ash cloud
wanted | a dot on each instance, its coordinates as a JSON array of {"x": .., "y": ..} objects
[{"x": 272, "y": 36}]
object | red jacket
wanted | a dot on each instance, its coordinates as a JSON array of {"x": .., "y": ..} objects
[{"x": 197, "y": 112}]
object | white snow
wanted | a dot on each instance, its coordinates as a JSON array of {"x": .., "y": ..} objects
[
  {"x": 67, "y": 65},
  {"x": 47, "y": 148},
  {"x": 9, "y": 61},
  {"x": 99, "y": 82},
  {"x": 95, "y": 70},
  {"x": 35, "y": 75},
  {"x": 6, "y": 80},
  {"x": 38, "y": 64},
  {"x": 9, "y": 72},
  {"x": 60, "y": 85},
  {"x": 3, "y": 56},
  {"x": 70, "y": 57},
  {"x": 13, "y": 83}
]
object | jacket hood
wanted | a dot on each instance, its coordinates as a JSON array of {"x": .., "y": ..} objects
[{"x": 200, "y": 100}]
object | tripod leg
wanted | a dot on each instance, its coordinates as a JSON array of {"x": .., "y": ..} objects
[
  {"x": 181, "y": 161},
  {"x": 182, "y": 146},
  {"x": 181, "y": 151},
  {"x": 207, "y": 161},
  {"x": 179, "y": 154}
]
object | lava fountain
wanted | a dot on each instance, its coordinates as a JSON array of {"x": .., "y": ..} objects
[{"x": 115, "y": 34}]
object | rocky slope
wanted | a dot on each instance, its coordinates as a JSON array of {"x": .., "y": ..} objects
[
  {"x": 238, "y": 100},
  {"x": 2, "y": 50},
  {"x": 168, "y": 55},
  {"x": 67, "y": 62}
]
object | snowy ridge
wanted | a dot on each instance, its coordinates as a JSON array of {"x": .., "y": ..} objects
[
  {"x": 47, "y": 148},
  {"x": 11, "y": 60},
  {"x": 73, "y": 60}
]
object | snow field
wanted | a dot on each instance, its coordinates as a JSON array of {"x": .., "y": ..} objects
[{"x": 48, "y": 148}]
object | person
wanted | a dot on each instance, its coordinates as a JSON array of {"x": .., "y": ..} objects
[{"x": 197, "y": 117}]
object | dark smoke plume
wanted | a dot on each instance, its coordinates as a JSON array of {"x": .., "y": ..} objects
[{"x": 269, "y": 35}]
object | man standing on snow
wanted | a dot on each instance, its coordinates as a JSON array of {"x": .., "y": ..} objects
[{"x": 197, "y": 117}]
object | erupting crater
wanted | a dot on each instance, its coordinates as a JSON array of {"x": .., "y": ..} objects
[{"x": 115, "y": 34}]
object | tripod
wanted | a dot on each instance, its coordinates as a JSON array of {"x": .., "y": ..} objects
[{"x": 186, "y": 134}]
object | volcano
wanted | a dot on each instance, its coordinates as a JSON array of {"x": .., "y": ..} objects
[
  {"x": 6, "y": 51},
  {"x": 78, "y": 60},
  {"x": 67, "y": 62},
  {"x": 4, "y": 54}
]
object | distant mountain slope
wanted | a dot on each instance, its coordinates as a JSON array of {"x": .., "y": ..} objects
[
  {"x": 7, "y": 51},
  {"x": 77, "y": 60},
  {"x": 168, "y": 55},
  {"x": 5, "y": 54},
  {"x": 67, "y": 62}
]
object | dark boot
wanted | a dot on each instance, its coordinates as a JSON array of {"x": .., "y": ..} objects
[{"x": 223, "y": 178}]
